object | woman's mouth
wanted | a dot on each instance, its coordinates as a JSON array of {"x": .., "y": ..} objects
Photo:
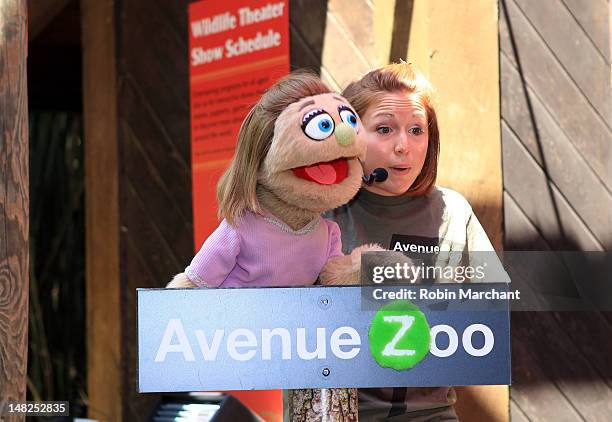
[{"x": 400, "y": 170}]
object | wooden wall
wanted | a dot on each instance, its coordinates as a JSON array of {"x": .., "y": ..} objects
[
  {"x": 557, "y": 167},
  {"x": 139, "y": 181},
  {"x": 155, "y": 176}
]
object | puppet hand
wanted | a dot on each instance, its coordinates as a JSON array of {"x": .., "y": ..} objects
[
  {"x": 180, "y": 281},
  {"x": 344, "y": 270}
]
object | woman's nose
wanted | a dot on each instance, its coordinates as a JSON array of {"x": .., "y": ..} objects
[{"x": 401, "y": 144}]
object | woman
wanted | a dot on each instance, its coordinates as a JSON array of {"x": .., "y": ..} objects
[{"x": 401, "y": 131}]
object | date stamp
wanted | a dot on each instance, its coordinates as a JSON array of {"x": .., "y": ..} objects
[{"x": 34, "y": 408}]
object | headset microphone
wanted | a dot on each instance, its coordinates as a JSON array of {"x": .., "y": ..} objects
[{"x": 378, "y": 175}]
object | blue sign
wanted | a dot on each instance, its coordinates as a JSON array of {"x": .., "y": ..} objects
[{"x": 322, "y": 337}]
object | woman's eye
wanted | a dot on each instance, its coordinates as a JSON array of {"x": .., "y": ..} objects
[
  {"x": 383, "y": 130},
  {"x": 348, "y": 116},
  {"x": 319, "y": 126},
  {"x": 416, "y": 130}
]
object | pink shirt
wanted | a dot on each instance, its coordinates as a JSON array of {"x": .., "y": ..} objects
[{"x": 263, "y": 252}]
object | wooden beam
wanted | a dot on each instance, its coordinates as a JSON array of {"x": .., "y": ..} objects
[
  {"x": 41, "y": 13},
  {"x": 14, "y": 202},
  {"x": 456, "y": 45},
  {"x": 104, "y": 353}
]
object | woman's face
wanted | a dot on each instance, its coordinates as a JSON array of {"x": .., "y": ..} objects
[{"x": 396, "y": 134}]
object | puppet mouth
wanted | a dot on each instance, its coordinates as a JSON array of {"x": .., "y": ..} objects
[{"x": 327, "y": 173}]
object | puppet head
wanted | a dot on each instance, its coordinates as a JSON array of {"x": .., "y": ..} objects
[
  {"x": 301, "y": 142},
  {"x": 313, "y": 159}
]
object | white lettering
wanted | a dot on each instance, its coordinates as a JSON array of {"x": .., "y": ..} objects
[
  {"x": 209, "y": 352},
  {"x": 453, "y": 341},
  {"x": 200, "y": 56},
  {"x": 213, "y": 25},
  {"x": 260, "y": 42},
  {"x": 320, "y": 350},
  {"x": 266, "y": 340},
  {"x": 488, "y": 343},
  {"x": 174, "y": 327},
  {"x": 406, "y": 321},
  {"x": 233, "y": 343},
  {"x": 336, "y": 342},
  {"x": 250, "y": 16}
]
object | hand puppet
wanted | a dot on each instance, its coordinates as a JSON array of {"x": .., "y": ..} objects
[{"x": 298, "y": 155}]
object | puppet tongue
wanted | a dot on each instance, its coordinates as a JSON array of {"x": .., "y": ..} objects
[{"x": 324, "y": 173}]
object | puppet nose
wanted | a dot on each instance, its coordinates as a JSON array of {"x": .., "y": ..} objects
[{"x": 345, "y": 134}]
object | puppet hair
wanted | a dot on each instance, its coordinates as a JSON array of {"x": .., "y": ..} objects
[
  {"x": 401, "y": 77},
  {"x": 237, "y": 188}
]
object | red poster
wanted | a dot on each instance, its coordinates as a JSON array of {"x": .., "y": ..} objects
[{"x": 237, "y": 49}]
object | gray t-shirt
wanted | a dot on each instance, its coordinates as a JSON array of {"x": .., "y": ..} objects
[{"x": 442, "y": 218}]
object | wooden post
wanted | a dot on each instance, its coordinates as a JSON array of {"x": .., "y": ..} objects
[
  {"x": 456, "y": 45},
  {"x": 104, "y": 356},
  {"x": 14, "y": 202}
]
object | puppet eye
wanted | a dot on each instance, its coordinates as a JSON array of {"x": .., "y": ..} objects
[
  {"x": 347, "y": 115},
  {"x": 318, "y": 125}
]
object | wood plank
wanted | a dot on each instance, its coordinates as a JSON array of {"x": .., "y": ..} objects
[
  {"x": 155, "y": 188},
  {"x": 139, "y": 274},
  {"x": 340, "y": 56},
  {"x": 41, "y": 13},
  {"x": 357, "y": 19},
  {"x": 384, "y": 21},
  {"x": 14, "y": 203},
  {"x": 138, "y": 220},
  {"x": 104, "y": 359},
  {"x": 308, "y": 18},
  {"x": 158, "y": 202},
  {"x": 466, "y": 77},
  {"x": 593, "y": 16},
  {"x": 176, "y": 15},
  {"x": 516, "y": 414},
  {"x": 539, "y": 273},
  {"x": 529, "y": 119},
  {"x": 322, "y": 34},
  {"x": 519, "y": 233},
  {"x": 560, "y": 358},
  {"x": 160, "y": 67},
  {"x": 571, "y": 46},
  {"x": 540, "y": 199},
  {"x": 302, "y": 56},
  {"x": 587, "y": 130},
  {"x": 532, "y": 387},
  {"x": 174, "y": 170},
  {"x": 591, "y": 331}
]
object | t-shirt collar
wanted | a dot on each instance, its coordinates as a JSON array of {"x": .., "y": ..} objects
[{"x": 376, "y": 199}]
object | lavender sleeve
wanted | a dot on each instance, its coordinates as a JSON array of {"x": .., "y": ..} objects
[
  {"x": 216, "y": 258},
  {"x": 335, "y": 239}
]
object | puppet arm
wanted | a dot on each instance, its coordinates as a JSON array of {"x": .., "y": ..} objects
[
  {"x": 344, "y": 269},
  {"x": 181, "y": 281},
  {"x": 213, "y": 263}
]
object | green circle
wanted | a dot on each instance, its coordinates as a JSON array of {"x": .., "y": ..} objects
[{"x": 399, "y": 335}]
